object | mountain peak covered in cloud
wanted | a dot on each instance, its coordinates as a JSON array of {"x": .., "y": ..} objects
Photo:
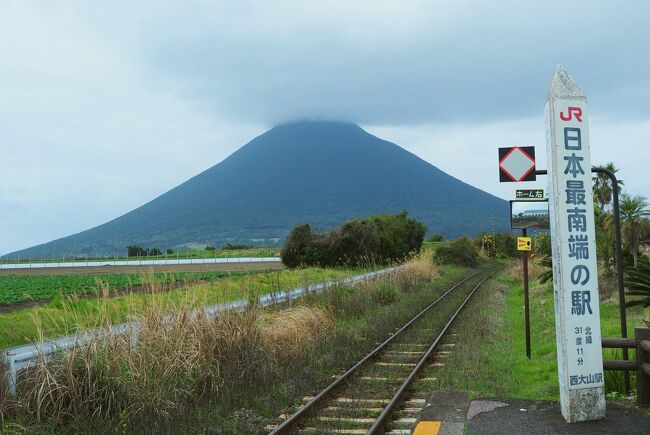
[
  {"x": 316, "y": 172},
  {"x": 108, "y": 119}
]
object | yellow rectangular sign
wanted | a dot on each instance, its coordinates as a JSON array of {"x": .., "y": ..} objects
[{"x": 524, "y": 243}]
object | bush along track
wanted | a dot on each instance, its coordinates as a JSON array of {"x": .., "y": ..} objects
[
  {"x": 236, "y": 373},
  {"x": 377, "y": 239}
]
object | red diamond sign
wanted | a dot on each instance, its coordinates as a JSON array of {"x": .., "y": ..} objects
[{"x": 517, "y": 164}]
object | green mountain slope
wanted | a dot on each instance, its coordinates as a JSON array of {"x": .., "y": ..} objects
[{"x": 317, "y": 172}]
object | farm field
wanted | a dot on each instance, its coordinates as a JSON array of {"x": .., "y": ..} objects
[
  {"x": 261, "y": 252},
  {"x": 145, "y": 268},
  {"x": 31, "y": 285},
  {"x": 65, "y": 313}
]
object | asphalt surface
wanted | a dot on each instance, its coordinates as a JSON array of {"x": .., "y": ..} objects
[{"x": 514, "y": 416}]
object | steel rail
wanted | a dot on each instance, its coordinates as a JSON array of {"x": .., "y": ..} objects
[
  {"x": 383, "y": 418},
  {"x": 304, "y": 410}
]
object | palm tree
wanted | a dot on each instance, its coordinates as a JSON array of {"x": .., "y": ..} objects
[
  {"x": 634, "y": 212},
  {"x": 605, "y": 238},
  {"x": 637, "y": 282},
  {"x": 603, "y": 187}
]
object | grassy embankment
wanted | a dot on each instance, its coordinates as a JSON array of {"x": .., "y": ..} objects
[
  {"x": 434, "y": 245},
  {"x": 234, "y": 374},
  {"x": 490, "y": 359},
  {"x": 67, "y": 313}
]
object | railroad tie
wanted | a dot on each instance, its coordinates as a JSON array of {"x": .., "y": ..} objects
[
  {"x": 380, "y": 378},
  {"x": 340, "y": 409},
  {"x": 361, "y": 420},
  {"x": 410, "y": 344},
  {"x": 415, "y": 402},
  {"x": 405, "y": 421},
  {"x": 394, "y": 364},
  {"x": 415, "y": 411},
  {"x": 402, "y": 352},
  {"x": 307, "y": 430},
  {"x": 352, "y": 400}
]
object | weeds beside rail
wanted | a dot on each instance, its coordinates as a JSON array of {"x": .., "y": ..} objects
[{"x": 110, "y": 382}]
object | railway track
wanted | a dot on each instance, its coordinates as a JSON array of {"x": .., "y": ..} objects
[{"x": 375, "y": 395}]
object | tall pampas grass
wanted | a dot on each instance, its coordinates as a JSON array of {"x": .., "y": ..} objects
[{"x": 173, "y": 358}]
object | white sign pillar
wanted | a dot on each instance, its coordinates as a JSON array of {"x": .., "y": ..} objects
[{"x": 575, "y": 273}]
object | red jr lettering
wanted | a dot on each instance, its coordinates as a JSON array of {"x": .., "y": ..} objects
[{"x": 573, "y": 111}]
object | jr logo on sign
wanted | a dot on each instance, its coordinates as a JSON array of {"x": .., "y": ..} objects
[{"x": 573, "y": 111}]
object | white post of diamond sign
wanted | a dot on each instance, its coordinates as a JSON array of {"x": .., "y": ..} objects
[{"x": 575, "y": 274}]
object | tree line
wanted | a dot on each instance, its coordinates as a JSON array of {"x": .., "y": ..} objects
[
  {"x": 634, "y": 215},
  {"x": 138, "y": 251}
]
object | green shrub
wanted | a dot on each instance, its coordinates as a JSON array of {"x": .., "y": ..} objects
[
  {"x": 547, "y": 274},
  {"x": 231, "y": 247},
  {"x": 373, "y": 240},
  {"x": 461, "y": 252},
  {"x": 383, "y": 294},
  {"x": 542, "y": 244},
  {"x": 299, "y": 248},
  {"x": 506, "y": 244},
  {"x": 436, "y": 238}
]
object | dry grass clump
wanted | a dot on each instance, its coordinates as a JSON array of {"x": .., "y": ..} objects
[
  {"x": 515, "y": 269},
  {"x": 295, "y": 331},
  {"x": 419, "y": 269},
  {"x": 384, "y": 290},
  {"x": 174, "y": 359},
  {"x": 4, "y": 393}
]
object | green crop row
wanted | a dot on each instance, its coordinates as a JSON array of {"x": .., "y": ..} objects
[{"x": 15, "y": 289}]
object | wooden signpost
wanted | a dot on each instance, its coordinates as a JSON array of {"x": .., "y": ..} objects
[
  {"x": 575, "y": 274},
  {"x": 517, "y": 164}
]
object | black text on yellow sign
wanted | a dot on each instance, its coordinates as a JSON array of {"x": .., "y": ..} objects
[{"x": 524, "y": 243}]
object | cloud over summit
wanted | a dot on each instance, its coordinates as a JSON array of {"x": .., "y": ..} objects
[{"x": 104, "y": 106}]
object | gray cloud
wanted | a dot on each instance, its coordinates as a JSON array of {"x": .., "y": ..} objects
[
  {"x": 103, "y": 106},
  {"x": 430, "y": 62}
]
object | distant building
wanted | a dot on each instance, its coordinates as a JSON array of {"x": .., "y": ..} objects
[{"x": 533, "y": 213}]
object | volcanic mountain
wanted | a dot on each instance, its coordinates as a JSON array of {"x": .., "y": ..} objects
[{"x": 314, "y": 172}]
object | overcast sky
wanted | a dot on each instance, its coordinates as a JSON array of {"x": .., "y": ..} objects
[{"x": 104, "y": 107}]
